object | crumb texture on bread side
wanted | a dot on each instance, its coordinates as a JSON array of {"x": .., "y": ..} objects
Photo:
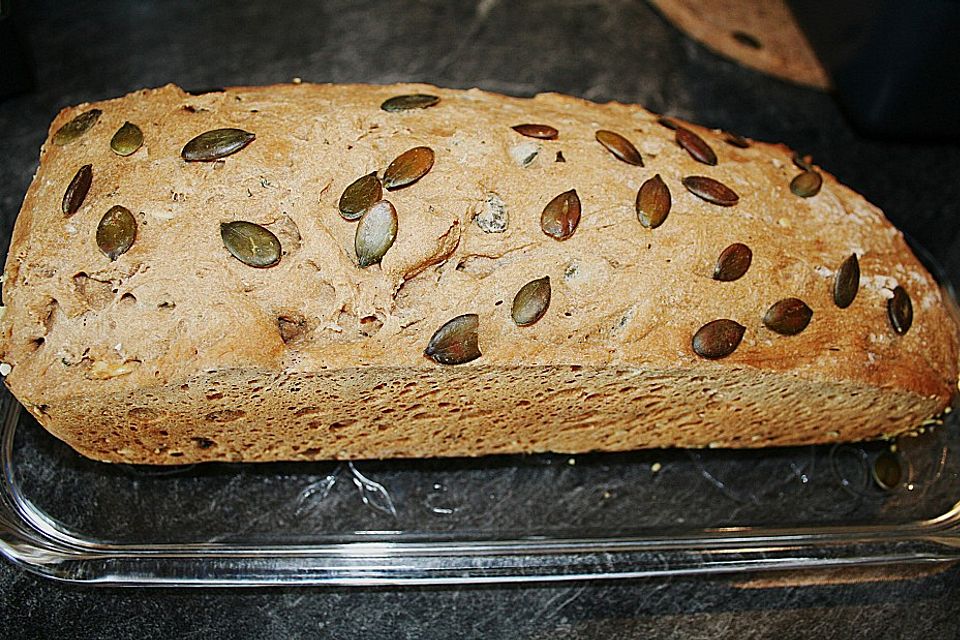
[
  {"x": 121, "y": 354},
  {"x": 376, "y": 412}
]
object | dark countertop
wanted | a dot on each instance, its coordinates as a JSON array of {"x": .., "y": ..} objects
[{"x": 610, "y": 50}]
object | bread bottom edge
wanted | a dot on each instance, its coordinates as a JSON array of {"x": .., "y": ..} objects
[{"x": 376, "y": 413}]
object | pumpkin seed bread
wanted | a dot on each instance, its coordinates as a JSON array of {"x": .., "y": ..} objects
[{"x": 303, "y": 272}]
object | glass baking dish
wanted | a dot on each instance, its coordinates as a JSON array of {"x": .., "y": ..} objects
[
  {"x": 493, "y": 519},
  {"x": 499, "y": 519}
]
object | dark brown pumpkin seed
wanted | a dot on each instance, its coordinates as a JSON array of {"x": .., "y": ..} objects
[
  {"x": 127, "y": 139},
  {"x": 531, "y": 302},
  {"x": 696, "y": 146},
  {"x": 77, "y": 190},
  {"x": 408, "y": 167},
  {"x": 116, "y": 232},
  {"x": 669, "y": 123},
  {"x": 76, "y": 127},
  {"x": 788, "y": 317},
  {"x": 718, "y": 339},
  {"x": 804, "y": 163},
  {"x": 733, "y": 262},
  {"x": 216, "y": 144},
  {"x": 806, "y": 184},
  {"x": 747, "y": 39},
  {"x": 847, "y": 282},
  {"x": 561, "y": 215},
  {"x": 711, "y": 190},
  {"x": 886, "y": 471},
  {"x": 735, "y": 140},
  {"x": 204, "y": 90},
  {"x": 456, "y": 342},
  {"x": 653, "y": 202},
  {"x": 250, "y": 243},
  {"x": 359, "y": 196},
  {"x": 900, "y": 310},
  {"x": 620, "y": 147},
  {"x": 409, "y": 101},
  {"x": 541, "y": 131},
  {"x": 375, "y": 233},
  {"x": 292, "y": 327}
]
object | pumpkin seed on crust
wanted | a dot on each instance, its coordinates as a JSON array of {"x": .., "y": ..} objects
[
  {"x": 539, "y": 131},
  {"x": 360, "y": 196},
  {"x": 250, "y": 243},
  {"x": 620, "y": 147},
  {"x": 77, "y": 127},
  {"x": 77, "y": 190},
  {"x": 116, "y": 232},
  {"x": 531, "y": 302},
  {"x": 216, "y": 144},
  {"x": 408, "y": 167},
  {"x": 561, "y": 216},
  {"x": 375, "y": 233},
  {"x": 409, "y": 101},
  {"x": 127, "y": 139},
  {"x": 653, "y": 202},
  {"x": 718, "y": 338},
  {"x": 456, "y": 341},
  {"x": 788, "y": 317},
  {"x": 710, "y": 190}
]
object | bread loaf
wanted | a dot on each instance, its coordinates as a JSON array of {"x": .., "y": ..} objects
[{"x": 196, "y": 285}]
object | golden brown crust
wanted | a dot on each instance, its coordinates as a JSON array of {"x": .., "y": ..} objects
[{"x": 93, "y": 343}]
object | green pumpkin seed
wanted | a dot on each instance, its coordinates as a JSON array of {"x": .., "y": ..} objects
[
  {"x": 735, "y": 140},
  {"x": 886, "y": 471},
  {"x": 806, "y": 184},
  {"x": 216, "y": 144},
  {"x": 620, "y": 147},
  {"x": 375, "y": 233},
  {"x": 359, "y": 196},
  {"x": 116, "y": 232},
  {"x": 733, "y": 262},
  {"x": 456, "y": 342},
  {"x": 127, "y": 139},
  {"x": 847, "y": 282},
  {"x": 718, "y": 339},
  {"x": 900, "y": 310},
  {"x": 250, "y": 243},
  {"x": 541, "y": 131},
  {"x": 409, "y": 101},
  {"x": 696, "y": 146},
  {"x": 531, "y": 302},
  {"x": 408, "y": 167},
  {"x": 788, "y": 317},
  {"x": 711, "y": 190},
  {"x": 561, "y": 215},
  {"x": 653, "y": 202},
  {"x": 77, "y": 190},
  {"x": 76, "y": 127}
]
